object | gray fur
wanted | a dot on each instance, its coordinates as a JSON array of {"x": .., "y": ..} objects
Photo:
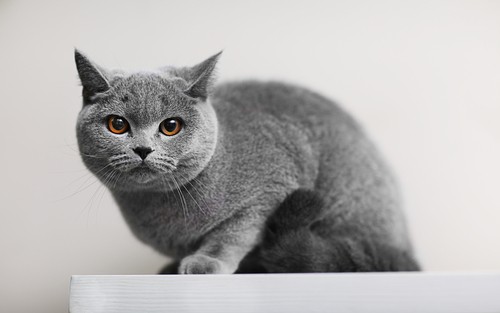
[{"x": 245, "y": 146}]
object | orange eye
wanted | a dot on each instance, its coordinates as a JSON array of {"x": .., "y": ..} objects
[
  {"x": 171, "y": 126},
  {"x": 117, "y": 124}
]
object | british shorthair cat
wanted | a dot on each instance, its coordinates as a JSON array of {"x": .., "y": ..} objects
[{"x": 242, "y": 176}]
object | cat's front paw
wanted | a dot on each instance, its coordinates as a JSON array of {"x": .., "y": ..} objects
[{"x": 202, "y": 264}]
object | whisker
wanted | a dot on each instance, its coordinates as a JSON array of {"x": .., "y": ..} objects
[
  {"x": 81, "y": 188},
  {"x": 118, "y": 157},
  {"x": 196, "y": 202},
  {"x": 109, "y": 177},
  {"x": 92, "y": 156},
  {"x": 121, "y": 163},
  {"x": 103, "y": 192},
  {"x": 87, "y": 174},
  {"x": 119, "y": 176},
  {"x": 167, "y": 159},
  {"x": 183, "y": 204},
  {"x": 166, "y": 167},
  {"x": 201, "y": 193},
  {"x": 202, "y": 196},
  {"x": 177, "y": 200},
  {"x": 88, "y": 205}
]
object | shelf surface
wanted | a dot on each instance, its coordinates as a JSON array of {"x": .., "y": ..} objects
[{"x": 269, "y": 293}]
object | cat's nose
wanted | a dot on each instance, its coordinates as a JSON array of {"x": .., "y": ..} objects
[{"x": 142, "y": 151}]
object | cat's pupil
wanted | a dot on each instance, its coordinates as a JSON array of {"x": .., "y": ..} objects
[
  {"x": 170, "y": 125},
  {"x": 118, "y": 123}
]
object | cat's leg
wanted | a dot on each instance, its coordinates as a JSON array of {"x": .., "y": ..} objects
[
  {"x": 225, "y": 247},
  {"x": 170, "y": 268},
  {"x": 304, "y": 251},
  {"x": 356, "y": 247},
  {"x": 300, "y": 209},
  {"x": 251, "y": 263},
  {"x": 293, "y": 242},
  {"x": 288, "y": 244}
]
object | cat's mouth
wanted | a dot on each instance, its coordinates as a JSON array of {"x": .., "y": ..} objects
[
  {"x": 144, "y": 173},
  {"x": 147, "y": 172},
  {"x": 143, "y": 167}
]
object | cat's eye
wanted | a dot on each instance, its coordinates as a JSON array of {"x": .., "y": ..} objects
[
  {"x": 117, "y": 124},
  {"x": 171, "y": 126}
]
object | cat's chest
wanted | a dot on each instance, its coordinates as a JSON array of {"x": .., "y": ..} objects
[{"x": 171, "y": 222}]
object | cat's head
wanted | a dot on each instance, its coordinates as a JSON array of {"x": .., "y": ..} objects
[{"x": 146, "y": 130}]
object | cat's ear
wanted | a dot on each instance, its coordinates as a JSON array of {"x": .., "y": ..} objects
[
  {"x": 92, "y": 76},
  {"x": 201, "y": 78}
]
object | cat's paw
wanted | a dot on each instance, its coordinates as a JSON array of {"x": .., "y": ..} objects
[{"x": 202, "y": 264}]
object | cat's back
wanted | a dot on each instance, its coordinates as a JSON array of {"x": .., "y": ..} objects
[
  {"x": 344, "y": 157},
  {"x": 284, "y": 101}
]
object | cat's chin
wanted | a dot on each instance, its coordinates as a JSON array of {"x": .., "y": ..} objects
[{"x": 144, "y": 175}]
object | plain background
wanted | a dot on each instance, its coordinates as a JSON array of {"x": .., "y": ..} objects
[{"x": 423, "y": 77}]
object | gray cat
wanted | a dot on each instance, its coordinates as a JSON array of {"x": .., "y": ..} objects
[{"x": 220, "y": 177}]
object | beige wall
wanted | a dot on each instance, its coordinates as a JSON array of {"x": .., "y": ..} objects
[{"x": 424, "y": 77}]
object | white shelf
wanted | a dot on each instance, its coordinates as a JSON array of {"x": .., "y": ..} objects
[{"x": 305, "y": 293}]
